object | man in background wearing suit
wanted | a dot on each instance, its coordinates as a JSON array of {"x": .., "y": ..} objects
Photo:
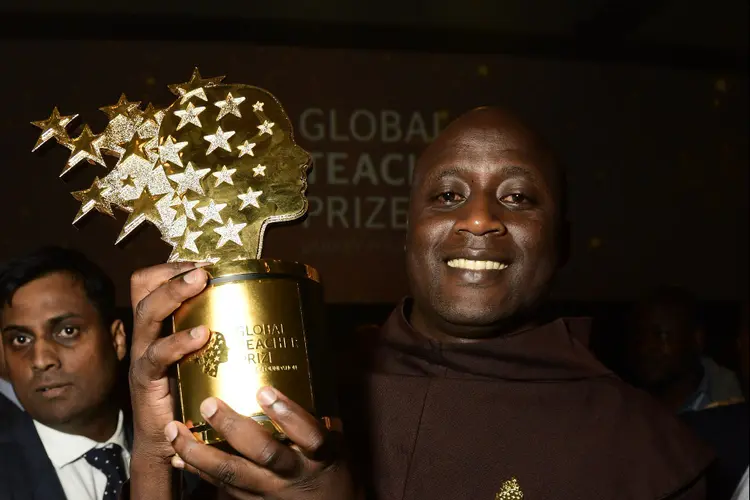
[
  {"x": 8, "y": 400},
  {"x": 62, "y": 343}
]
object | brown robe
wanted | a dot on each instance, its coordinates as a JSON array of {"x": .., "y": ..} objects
[{"x": 533, "y": 412}]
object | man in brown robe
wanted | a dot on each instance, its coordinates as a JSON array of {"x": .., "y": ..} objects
[{"x": 471, "y": 392}]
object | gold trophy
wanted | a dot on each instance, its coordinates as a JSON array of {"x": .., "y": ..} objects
[{"x": 211, "y": 171}]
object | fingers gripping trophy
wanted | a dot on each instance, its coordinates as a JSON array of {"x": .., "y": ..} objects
[{"x": 211, "y": 171}]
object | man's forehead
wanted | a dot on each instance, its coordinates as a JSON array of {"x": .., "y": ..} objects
[
  {"x": 48, "y": 295},
  {"x": 485, "y": 133}
]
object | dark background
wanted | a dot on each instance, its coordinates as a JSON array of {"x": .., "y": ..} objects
[{"x": 646, "y": 101}]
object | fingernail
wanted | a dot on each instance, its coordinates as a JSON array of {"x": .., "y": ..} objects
[
  {"x": 196, "y": 332},
  {"x": 177, "y": 462},
  {"x": 202, "y": 264},
  {"x": 267, "y": 396},
  {"x": 209, "y": 407},
  {"x": 170, "y": 431},
  {"x": 193, "y": 276}
]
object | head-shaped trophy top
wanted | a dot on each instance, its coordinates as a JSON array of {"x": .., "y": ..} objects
[{"x": 210, "y": 172}]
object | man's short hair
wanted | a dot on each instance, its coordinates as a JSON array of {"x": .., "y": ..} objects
[
  {"x": 675, "y": 298},
  {"x": 99, "y": 288}
]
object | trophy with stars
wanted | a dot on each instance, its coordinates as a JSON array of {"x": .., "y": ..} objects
[{"x": 211, "y": 171}]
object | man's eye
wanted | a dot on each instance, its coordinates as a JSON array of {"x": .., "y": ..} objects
[
  {"x": 69, "y": 331},
  {"x": 514, "y": 199},
  {"x": 449, "y": 198},
  {"x": 21, "y": 340}
]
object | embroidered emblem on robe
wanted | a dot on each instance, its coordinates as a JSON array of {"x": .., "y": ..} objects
[{"x": 510, "y": 491}]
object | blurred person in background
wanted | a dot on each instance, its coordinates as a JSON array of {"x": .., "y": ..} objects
[
  {"x": 664, "y": 354},
  {"x": 724, "y": 426}
]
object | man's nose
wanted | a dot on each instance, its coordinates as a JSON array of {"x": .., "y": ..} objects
[
  {"x": 44, "y": 356},
  {"x": 481, "y": 215}
]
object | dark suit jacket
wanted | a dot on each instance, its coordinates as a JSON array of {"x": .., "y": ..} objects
[
  {"x": 725, "y": 428},
  {"x": 26, "y": 473}
]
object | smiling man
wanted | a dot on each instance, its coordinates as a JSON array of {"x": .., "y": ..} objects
[
  {"x": 62, "y": 344},
  {"x": 472, "y": 393}
]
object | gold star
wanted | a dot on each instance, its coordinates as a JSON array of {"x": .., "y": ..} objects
[
  {"x": 246, "y": 149},
  {"x": 168, "y": 152},
  {"x": 188, "y": 241},
  {"x": 144, "y": 209},
  {"x": 190, "y": 179},
  {"x": 265, "y": 127},
  {"x": 133, "y": 149},
  {"x": 54, "y": 126},
  {"x": 189, "y": 115},
  {"x": 123, "y": 107},
  {"x": 219, "y": 140},
  {"x": 211, "y": 212},
  {"x": 230, "y": 105},
  {"x": 85, "y": 147},
  {"x": 259, "y": 170},
  {"x": 250, "y": 198},
  {"x": 194, "y": 87},
  {"x": 152, "y": 114},
  {"x": 224, "y": 175},
  {"x": 92, "y": 198},
  {"x": 185, "y": 205},
  {"x": 128, "y": 181},
  {"x": 229, "y": 232},
  {"x": 258, "y": 106}
]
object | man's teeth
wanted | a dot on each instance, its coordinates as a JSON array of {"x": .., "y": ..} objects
[{"x": 476, "y": 265}]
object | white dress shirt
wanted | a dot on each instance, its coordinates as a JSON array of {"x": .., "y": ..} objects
[
  {"x": 743, "y": 490},
  {"x": 6, "y": 389},
  {"x": 80, "y": 481}
]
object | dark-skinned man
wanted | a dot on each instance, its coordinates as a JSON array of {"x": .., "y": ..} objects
[
  {"x": 63, "y": 344},
  {"x": 472, "y": 394}
]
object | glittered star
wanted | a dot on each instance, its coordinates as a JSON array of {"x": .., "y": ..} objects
[
  {"x": 145, "y": 208},
  {"x": 189, "y": 115},
  {"x": 224, "y": 175},
  {"x": 259, "y": 170},
  {"x": 246, "y": 148},
  {"x": 152, "y": 114},
  {"x": 188, "y": 240},
  {"x": 194, "y": 87},
  {"x": 258, "y": 106},
  {"x": 229, "y": 232},
  {"x": 54, "y": 126},
  {"x": 265, "y": 127},
  {"x": 211, "y": 212},
  {"x": 123, "y": 107},
  {"x": 218, "y": 140},
  {"x": 190, "y": 179},
  {"x": 128, "y": 181},
  {"x": 168, "y": 152},
  {"x": 185, "y": 205},
  {"x": 135, "y": 147},
  {"x": 250, "y": 198},
  {"x": 92, "y": 198},
  {"x": 85, "y": 147},
  {"x": 231, "y": 105}
]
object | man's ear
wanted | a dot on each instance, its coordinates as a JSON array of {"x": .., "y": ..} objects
[{"x": 119, "y": 338}]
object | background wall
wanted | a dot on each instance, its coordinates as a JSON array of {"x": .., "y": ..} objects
[{"x": 657, "y": 156}]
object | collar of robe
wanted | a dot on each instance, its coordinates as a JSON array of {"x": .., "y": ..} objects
[{"x": 554, "y": 351}]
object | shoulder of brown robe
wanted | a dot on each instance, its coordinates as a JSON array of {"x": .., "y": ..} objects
[{"x": 531, "y": 415}]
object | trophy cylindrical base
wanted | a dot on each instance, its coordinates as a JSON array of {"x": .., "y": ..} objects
[{"x": 266, "y": 319}]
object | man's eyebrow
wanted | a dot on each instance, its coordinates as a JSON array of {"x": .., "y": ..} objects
[
  {"x": 61, "y": 317},
  {"x": 507, "y": 171},
  {"x": 17, "y": 328}
]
